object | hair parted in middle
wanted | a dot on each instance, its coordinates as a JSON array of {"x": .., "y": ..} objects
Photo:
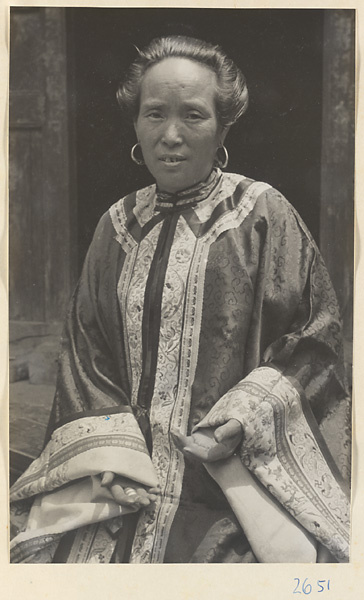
[{"x": 231, "y": 93}]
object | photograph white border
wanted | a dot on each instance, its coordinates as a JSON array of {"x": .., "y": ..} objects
[{"x": 195, "y": 581}]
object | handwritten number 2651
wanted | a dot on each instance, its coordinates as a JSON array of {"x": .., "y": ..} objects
[{"x": 306, "y": 588}]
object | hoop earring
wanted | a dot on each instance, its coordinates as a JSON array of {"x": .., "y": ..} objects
[
  {"x": 224, "y": 162},
  {"x": 138, "y": 161}
]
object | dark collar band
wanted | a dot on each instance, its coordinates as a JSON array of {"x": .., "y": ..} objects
[{"x": 188, "y": 198}]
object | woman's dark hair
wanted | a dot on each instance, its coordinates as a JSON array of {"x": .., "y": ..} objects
[{"x": 231, "y": 93}]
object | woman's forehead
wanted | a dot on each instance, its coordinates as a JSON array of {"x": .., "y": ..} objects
[{"x": 180, "y": 75}]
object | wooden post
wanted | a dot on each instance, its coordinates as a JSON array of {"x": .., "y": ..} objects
[
  {"x": 337, "y": 174},
  {"x": 42, "y": 238}
]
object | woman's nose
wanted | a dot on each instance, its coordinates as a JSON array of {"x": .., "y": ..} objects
[{"x": 172, "y": 133}]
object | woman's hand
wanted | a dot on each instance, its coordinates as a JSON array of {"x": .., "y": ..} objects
[
  {"x": 128, "y": 492},
  {"x": 208, "y": 445}
]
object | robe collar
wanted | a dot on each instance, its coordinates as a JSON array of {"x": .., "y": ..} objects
[{"x": 190, "y": 197}]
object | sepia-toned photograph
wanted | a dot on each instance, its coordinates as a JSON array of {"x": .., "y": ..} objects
[{"x": 181, "y": 264}]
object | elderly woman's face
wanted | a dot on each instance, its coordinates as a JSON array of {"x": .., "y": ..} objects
[{"x": 177, "y": 124}]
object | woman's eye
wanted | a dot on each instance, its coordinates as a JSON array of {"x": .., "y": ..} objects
[
  {"x": 192, "y": 116},
  {"x": 155, "y": 115}
]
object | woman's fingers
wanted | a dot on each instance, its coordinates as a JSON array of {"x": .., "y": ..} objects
[
  {"x": 181, "y": 441},
  {"x": 144, "y": 499},
  {"x": 125, "y": 496},
  {"x": 107, "y": 478},
  {"x": 152, "y": 497},
  {"x": 129, "y": 493},
  {"x": 232, "y": 429},
  {"x": 188, "y": 446},
  {"x": 153, "y": 493},
  {"x": 207, "y": 445},
  {"x": 196, "y": 451},
  {"x": 132, "y": 494},
  {"x": 197, "y": 445}
]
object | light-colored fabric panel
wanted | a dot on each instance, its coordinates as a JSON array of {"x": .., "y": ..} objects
[
  {"x": 274, "y": 536},
  {"x": 88, "y": 446},
  {"x": 281, "y": 450}
]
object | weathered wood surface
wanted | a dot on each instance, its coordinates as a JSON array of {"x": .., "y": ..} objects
[
  {"x": 34, "y": 349},
  {"x": 337, "y": 174},
  {"x": 40, "y": 211},
  {"x": 29, "y": 411}
]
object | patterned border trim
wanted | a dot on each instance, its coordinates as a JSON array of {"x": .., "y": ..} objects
[
  {"x": 281, "y": 450},
  {"x": 73, "y": 439},
  {"x": 307, "y": 410},
  {"x": 118, "y": 218},
  {"x": 234, "y": 218},
  {"x": 189, "y": 353},
  {"x": 122, "y": 290},
  {"x": 145, "y": 202},
  {"x": 92, "y": 544},
  {"x": 42, "y": 547},
  {"x": 287, "y": 458},
  {"x": 154, "y": 523},
  {"x": 97, "y": 412},
  {"x": 180, "y": 415}
]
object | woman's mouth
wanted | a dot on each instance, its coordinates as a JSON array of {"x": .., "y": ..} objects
[{"x": 172, "y": 160}]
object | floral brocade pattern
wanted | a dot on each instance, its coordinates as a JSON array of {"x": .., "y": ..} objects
[
  {"x": 51, "y": 469},
  {"x": 250, "y": 291},
  {"x": 134, "y": 301},
  {"x": 205, "y": 208},
  {"x": 280, "y": 448},
  {"x": 40, "y": 550},
  {"x": 93, "y": 545},
  {"x": 247, "y": 327},
  {"x": 175, "y": 371},
  {"x": 153, "y": 524},
  {"x": 144, "y": 206}
]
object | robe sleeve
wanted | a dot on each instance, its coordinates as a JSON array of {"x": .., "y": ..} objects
[
  {"x": 92, "y": 425},
  {"x": 92, "y": 428},
  {"x": 89, "y": 379},
  {"x": 286, "y": 403}
]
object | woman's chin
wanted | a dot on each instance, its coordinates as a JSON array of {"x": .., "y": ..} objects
[
  {"x": 175, "y": 182},
  {"x": 171, "y": 181}
]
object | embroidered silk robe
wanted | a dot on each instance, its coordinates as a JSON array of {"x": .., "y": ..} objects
[{"x": 189, "y": 315}]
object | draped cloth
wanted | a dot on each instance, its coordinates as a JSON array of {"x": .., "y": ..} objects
[{"x": 188, "y": 313}]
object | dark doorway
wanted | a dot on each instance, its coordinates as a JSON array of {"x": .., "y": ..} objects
[{"x": 279, "y": 138}]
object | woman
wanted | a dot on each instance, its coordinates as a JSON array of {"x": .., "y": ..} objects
[{"x": 203, "y": 338}]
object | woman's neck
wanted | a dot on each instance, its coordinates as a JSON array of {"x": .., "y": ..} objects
[{"x": 192, "y": 194}]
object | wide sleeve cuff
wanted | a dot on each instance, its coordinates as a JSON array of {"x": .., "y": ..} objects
[
  {"x": 88, "y": 446},
  {"x": 283, "y": 447}
]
